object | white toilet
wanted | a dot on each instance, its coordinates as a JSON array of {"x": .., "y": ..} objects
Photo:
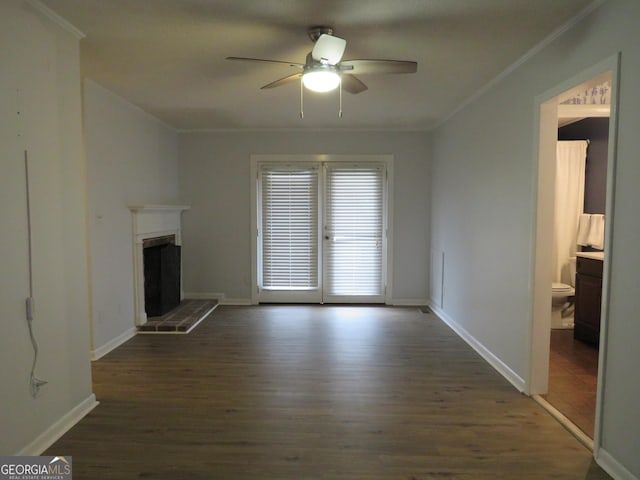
[{"x": 562, "y": 300}]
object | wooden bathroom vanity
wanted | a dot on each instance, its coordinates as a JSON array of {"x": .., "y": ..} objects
[{"x": 588, "y": 298}]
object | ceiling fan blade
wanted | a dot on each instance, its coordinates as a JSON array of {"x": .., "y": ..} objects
[
  {"x": 246, "y": 59},
  {"x": 282, "y": 81},
  {"x": 352, "y": 84},
  {"x": 365, "y": 67},
  {"x": 328, "y": 49}
]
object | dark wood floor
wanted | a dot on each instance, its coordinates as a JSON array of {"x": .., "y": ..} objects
[
  {"x": 573, "y": 379},
  {"x": 298, "y": 392}
]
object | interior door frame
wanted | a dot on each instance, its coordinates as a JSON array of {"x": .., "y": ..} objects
[
  {"x": 256, "y": 160},
  {"x": 545, "y": 135}
]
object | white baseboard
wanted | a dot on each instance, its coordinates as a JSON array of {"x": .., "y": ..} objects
[
  {"x": 223, "y": 300},
  {"x": 112, "y": 344},
  {"x": 484, "y": 352},
  {"x": 220, "y": 297},
  {"x": 612, "y": 466},
  {"x": 59, "y": 428},
  {"x": 408, "y": 302},
  {"x": 236, "y": 301},
  {"x": 204, "y": 296}
]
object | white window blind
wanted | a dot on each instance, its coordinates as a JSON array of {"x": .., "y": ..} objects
[
  {"x": 354, "y": 231},
  {"x": 289, "y": 228}
]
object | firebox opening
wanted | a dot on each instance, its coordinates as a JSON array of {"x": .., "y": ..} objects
[{"x": 162, "y": 265}]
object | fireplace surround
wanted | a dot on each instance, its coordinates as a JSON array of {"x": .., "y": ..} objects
[{"x": 153, "y": 225}]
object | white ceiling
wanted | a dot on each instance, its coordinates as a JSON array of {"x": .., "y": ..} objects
[{"x": 168, "y": 56}]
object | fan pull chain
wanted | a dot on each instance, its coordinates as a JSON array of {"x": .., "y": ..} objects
[
  {"x": 340, "y": 110},
  {"x": 301, "y": 99}
]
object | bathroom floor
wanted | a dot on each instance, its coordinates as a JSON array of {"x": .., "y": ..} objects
[{"x": 573, "y": 373}]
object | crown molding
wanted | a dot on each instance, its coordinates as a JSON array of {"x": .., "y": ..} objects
[
  {"x": 525, "y": 58},
  {"x": 55, "y": 18}
]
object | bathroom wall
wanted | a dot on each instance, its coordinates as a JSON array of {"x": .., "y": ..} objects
[{"x": 597, "y": 131}]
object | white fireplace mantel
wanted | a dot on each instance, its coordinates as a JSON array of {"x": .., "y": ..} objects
[{"x": 150, "y": 221}]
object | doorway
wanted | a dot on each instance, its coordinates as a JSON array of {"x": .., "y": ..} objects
[
  {"x": 553, "y": 107},
  {"x": 321, "y": 228}
]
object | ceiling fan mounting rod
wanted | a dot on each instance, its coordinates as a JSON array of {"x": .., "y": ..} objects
[{"x": 315, "y": 32}]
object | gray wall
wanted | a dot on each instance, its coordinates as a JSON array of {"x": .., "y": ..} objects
[
  {"x": 483, "y": 214},
  {"x": 40, "y": 79},
  {"x": 215, "y": 181},
  {"x": 131, "y": 159}
]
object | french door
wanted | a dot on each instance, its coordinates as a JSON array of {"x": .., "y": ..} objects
[{"x": 321, "y": 232}]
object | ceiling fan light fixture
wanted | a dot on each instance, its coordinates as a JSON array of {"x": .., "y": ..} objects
[{"x": 321, "y": 80}]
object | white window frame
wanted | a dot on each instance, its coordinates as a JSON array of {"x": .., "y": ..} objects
[{"x": 256, "y": 162}]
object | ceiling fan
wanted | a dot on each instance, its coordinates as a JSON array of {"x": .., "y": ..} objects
[{"x": 324, "y": 71}]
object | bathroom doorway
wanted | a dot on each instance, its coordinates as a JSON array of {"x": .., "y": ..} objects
[{"x": 566, "y": 366}]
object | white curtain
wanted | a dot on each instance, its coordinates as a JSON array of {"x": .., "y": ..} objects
[{"x": 570, "y": 169}]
